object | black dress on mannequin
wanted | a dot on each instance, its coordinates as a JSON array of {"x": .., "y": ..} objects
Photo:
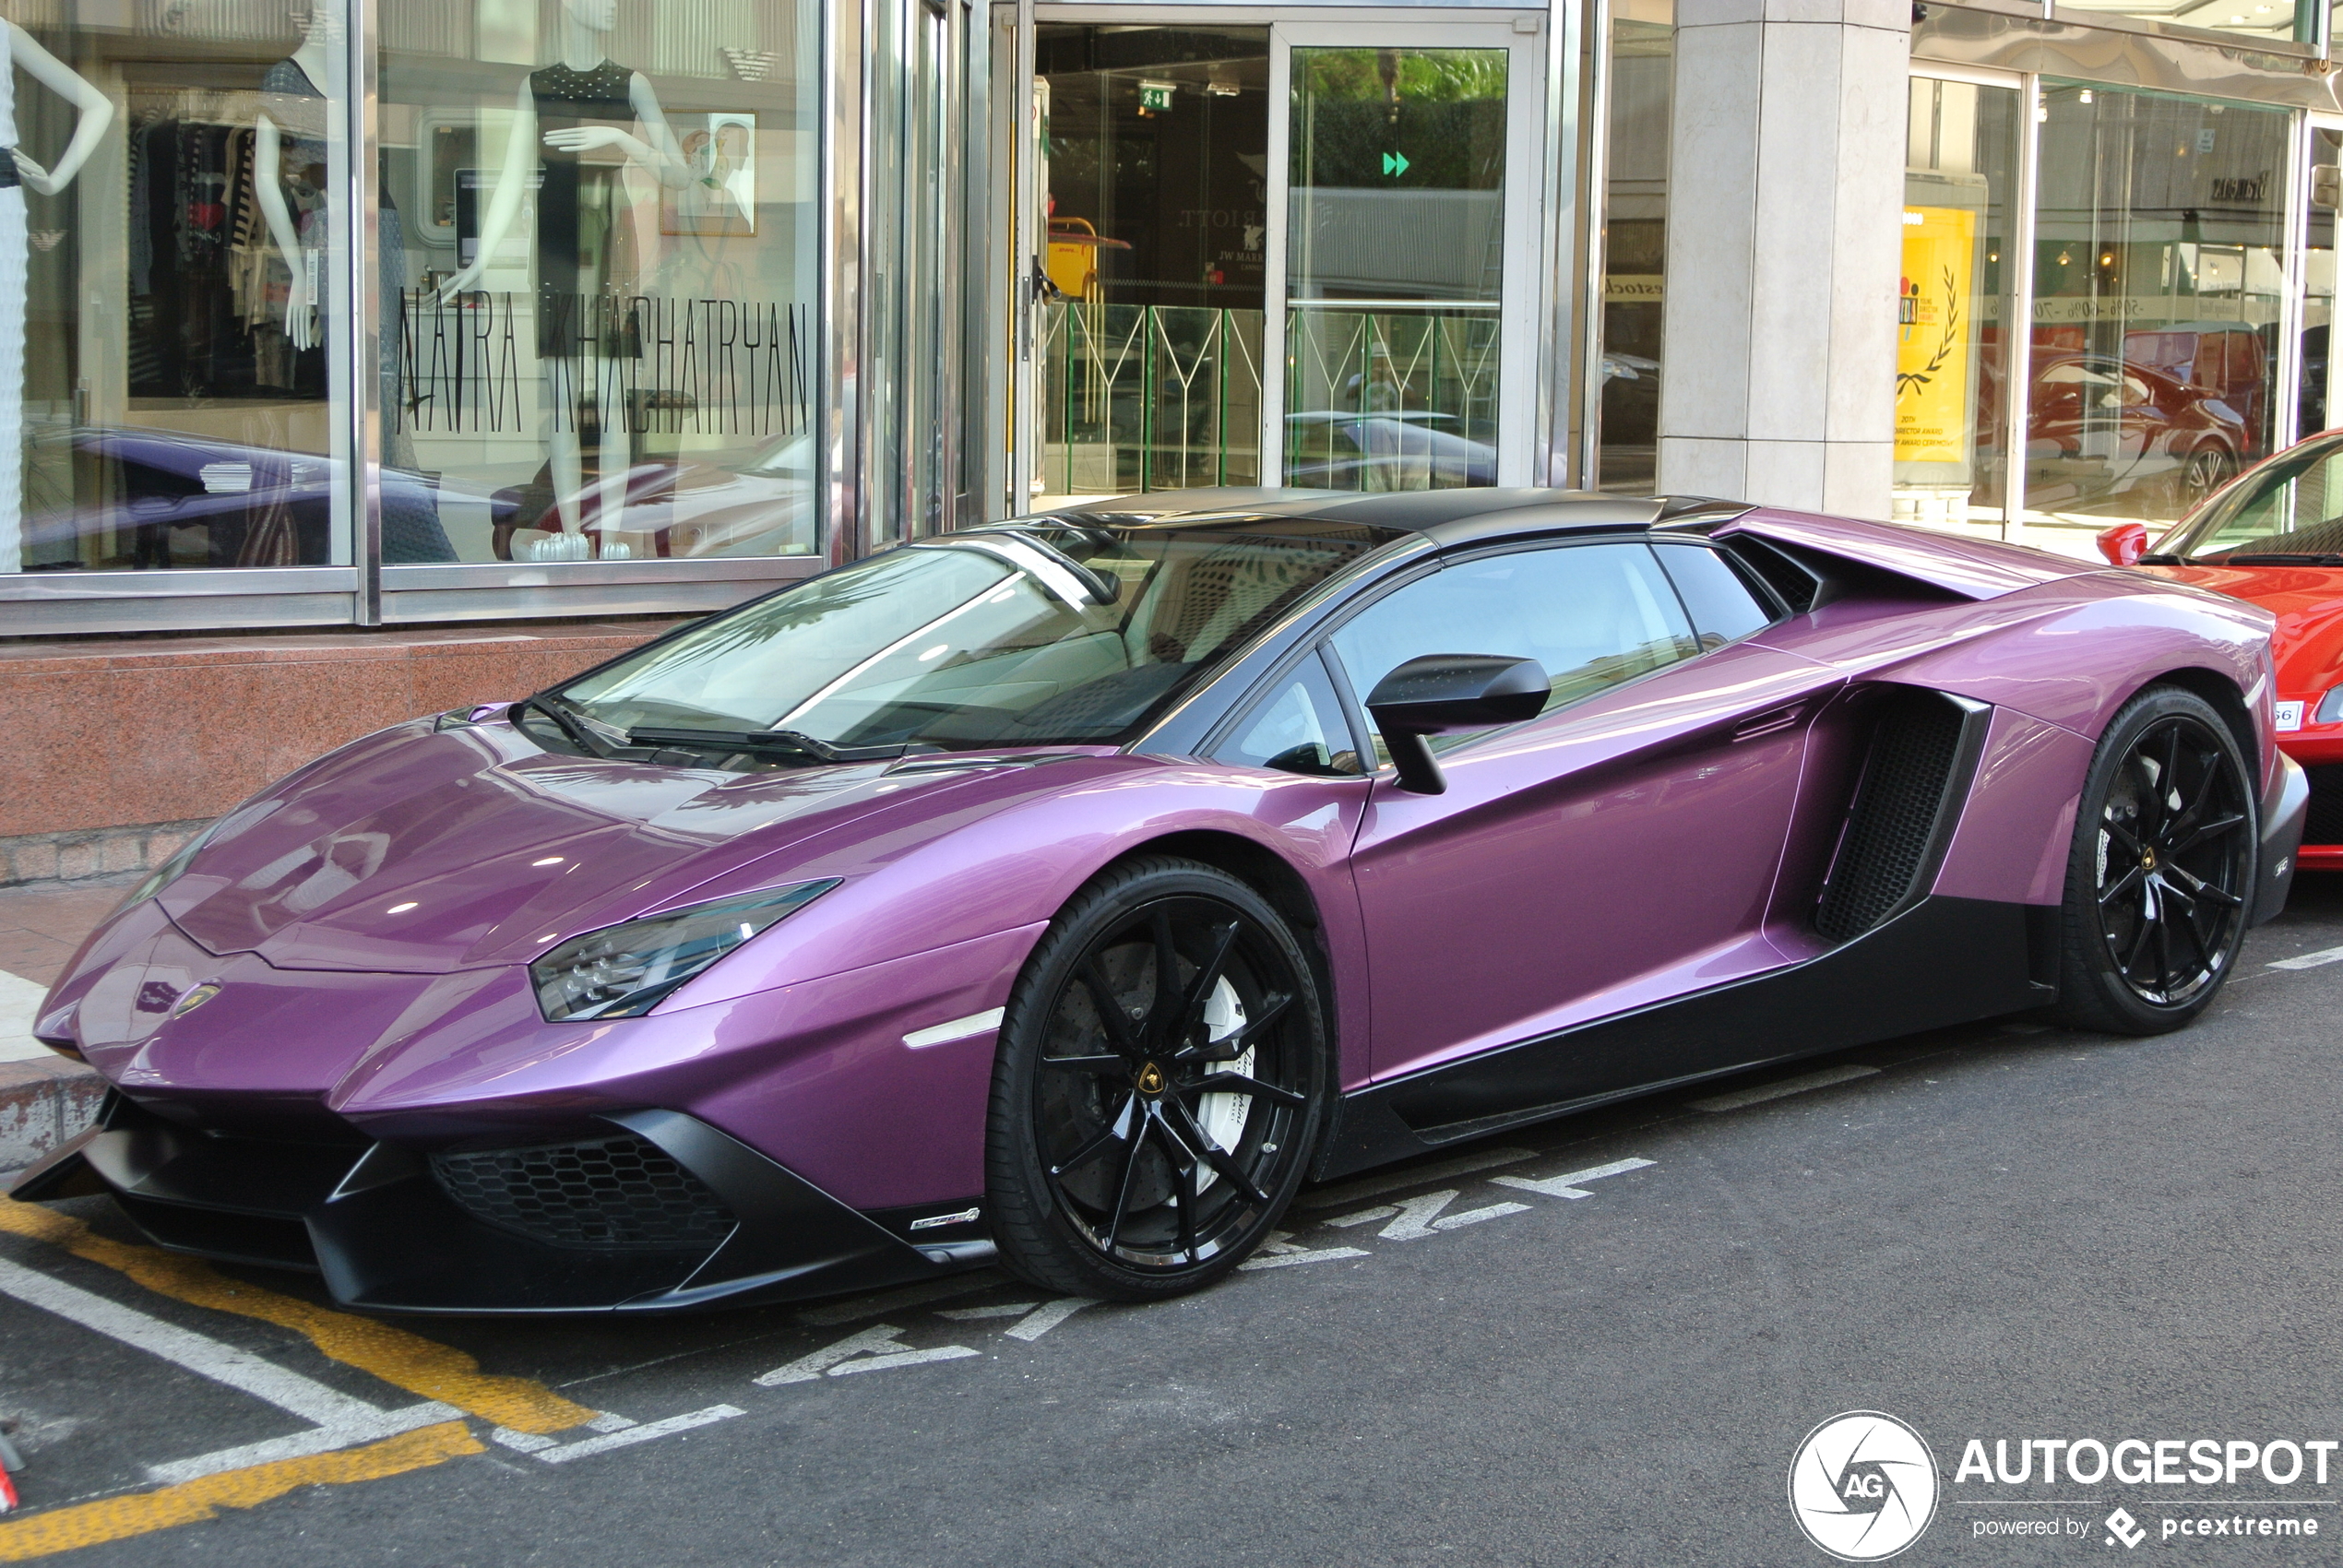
[{"x": 579, "y": 207}]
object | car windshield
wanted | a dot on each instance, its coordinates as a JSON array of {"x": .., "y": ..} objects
[
  {"x": 2291, "y": 506},
  {"x": 1042, "y": 633}
]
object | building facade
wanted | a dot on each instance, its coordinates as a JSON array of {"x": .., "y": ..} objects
[{"x": 366, "y": 327}]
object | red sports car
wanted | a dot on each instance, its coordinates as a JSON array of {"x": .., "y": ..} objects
[{"x": 2274, "y": 535}]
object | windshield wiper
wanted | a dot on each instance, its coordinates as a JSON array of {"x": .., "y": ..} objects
[
  {"x": 2282, "y": 558},
  {"x": 767, "y": 743},
  {"x": 552, "y": 707}
]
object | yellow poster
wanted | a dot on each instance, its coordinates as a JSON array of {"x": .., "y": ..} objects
[{"x": 1934, "y": 335}]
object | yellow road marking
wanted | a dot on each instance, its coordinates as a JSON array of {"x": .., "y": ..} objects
[
  {"x": 117, "y": 1518},
  {"x": 403, "y": 1360}
]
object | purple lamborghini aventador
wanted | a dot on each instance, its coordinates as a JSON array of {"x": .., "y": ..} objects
[{"x": 1069, "y": 891}]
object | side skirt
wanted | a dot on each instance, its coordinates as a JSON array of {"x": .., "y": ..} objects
[{"x": 1942, "y": 961}]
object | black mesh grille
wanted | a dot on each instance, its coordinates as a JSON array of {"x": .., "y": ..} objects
[
  {"x": 1895, "y": 814},
  {"x": 622, "y": 1192},
  {"x": 2325, "y": 825}
]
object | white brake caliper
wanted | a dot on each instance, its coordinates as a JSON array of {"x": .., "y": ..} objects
[{"x": 1222, "y": 1116}]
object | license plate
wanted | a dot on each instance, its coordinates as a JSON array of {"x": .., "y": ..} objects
[{"x": 2289, "y": 716}]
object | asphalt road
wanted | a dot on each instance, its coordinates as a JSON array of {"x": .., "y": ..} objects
[{"x": 2005, "y": 1231}]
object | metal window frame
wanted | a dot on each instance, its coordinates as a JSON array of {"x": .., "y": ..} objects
[
  {"x": 1592, "y": 165},
  {"x": 2018, "y": 344}
]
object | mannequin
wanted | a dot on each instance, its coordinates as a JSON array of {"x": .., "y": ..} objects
[
  {"x": 296, "y": 96},
  {"x": 579, "y": 106},
  {"x": 291, "y": 131},
  {"x": 18, "y": 174}
]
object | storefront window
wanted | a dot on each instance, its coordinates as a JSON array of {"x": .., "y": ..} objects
[
  {"x": 1955, "y": 305},
  {"x": 2159, "y": 281},
  {"x": 1635, "y": 242},
  {"x": 173, "y": 288},
  {"x": 599, "y": 264}
]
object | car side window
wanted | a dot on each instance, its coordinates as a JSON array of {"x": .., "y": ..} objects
[
  {"x": 2293, "y": 506},
  {"x": 1724, "y": 607},
  {"x": 1296, "y": 726},
  {"x": 1591, "y": 614}
]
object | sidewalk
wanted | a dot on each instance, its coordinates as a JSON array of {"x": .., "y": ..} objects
[{"x": 44, "y": 1098}]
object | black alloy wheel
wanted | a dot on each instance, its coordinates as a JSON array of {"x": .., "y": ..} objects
[
  {"x": 2160, "y": 880},
  {"x": 1161, "y": 1081}
]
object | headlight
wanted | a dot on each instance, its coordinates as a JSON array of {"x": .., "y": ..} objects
[
  {"x": 623, "y": 970},
  {"x": 2330, "y": 708}
]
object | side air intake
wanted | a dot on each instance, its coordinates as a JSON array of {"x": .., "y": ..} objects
[{"x": 1923, "y": 752}]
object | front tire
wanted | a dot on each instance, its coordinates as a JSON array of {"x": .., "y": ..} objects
[
  {"x": 1115, "y": 1169},
  {"x": 2161, "y": 870}
]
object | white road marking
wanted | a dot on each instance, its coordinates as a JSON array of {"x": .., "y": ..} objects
[
  {"x": 302, "y": 1444},
  {"x": 878, "y": 1343},
  {"x": 240, "y": 1370},
  {"x": 808, "y": 1367},
  {"x": 1568, "y": 1185},
  {"x": 1475, "y": 1215},
  {"x": 1049, "y": 1315},
  {"x": 977, "y": 1314},
  {"x": 2309, "y": 960},
  {"x": 1416, "y": 1216},
  {"x": 1764, "y": 1092},
  {"x": 902, "y": 1358},
  {"x": 1375, "y": 1186},
  {"x": 1363, "y": 1217},
  {"x": 958, "y": 1028},
  {"x": 19, "y": 1001},
  {"x": 523, "y": 1442},
  {"x": 890, "y": 1300},
  {"x": 605, "y": 1422},
  {"x": 1278, "y": 1252},
  {"x": 626, "y": 1437}
]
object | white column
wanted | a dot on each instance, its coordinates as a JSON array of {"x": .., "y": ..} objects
[{"x": 1786, "y": 194}]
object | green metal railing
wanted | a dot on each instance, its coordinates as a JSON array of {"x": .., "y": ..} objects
[
  {"x": 1150, "y": 397},
  {"x": 1391, "y": 396}
]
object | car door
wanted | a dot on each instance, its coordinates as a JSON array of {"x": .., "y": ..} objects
[{"x": 1617, "y": 850}]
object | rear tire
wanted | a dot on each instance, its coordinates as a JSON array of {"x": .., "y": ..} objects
[
  {"x": 2162, "y": 871},
  {"x": 1112, "y": 1168}
]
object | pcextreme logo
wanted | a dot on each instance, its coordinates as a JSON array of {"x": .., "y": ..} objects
[{"x": 1862, "y": 1486}]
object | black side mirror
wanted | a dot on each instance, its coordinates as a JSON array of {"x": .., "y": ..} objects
[{"x": 1441, "y": 693}]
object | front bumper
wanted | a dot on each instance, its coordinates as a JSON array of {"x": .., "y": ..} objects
[
  {"x": 659, "y": 1212},
  {"x": 2286, "y": 806}
]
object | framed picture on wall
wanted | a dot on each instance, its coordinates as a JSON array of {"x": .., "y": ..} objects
[{"x": 720, "y": 199}]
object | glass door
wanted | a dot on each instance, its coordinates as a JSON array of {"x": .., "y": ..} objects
[{"x": 1402, "y": 254}]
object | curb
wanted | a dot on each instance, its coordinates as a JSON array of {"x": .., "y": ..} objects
[{"x": 42, "y": 1105}]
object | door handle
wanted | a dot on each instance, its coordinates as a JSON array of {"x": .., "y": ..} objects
[{"x": 1769, "y": 723}]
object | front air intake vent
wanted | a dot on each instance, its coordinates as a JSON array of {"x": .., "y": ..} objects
[
  {"x": 1924, "y": 750},
  {"x": 2324, "y": 823},
  {"x": 618, "y": 1191}
]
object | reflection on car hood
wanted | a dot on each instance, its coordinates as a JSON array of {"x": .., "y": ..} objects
[
  {"x": 2307, "y": 601},
  {"x": 425, "y": 852}
]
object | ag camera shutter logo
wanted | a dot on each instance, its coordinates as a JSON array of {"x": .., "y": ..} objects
[{"x": 1862, "y": 1486}]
